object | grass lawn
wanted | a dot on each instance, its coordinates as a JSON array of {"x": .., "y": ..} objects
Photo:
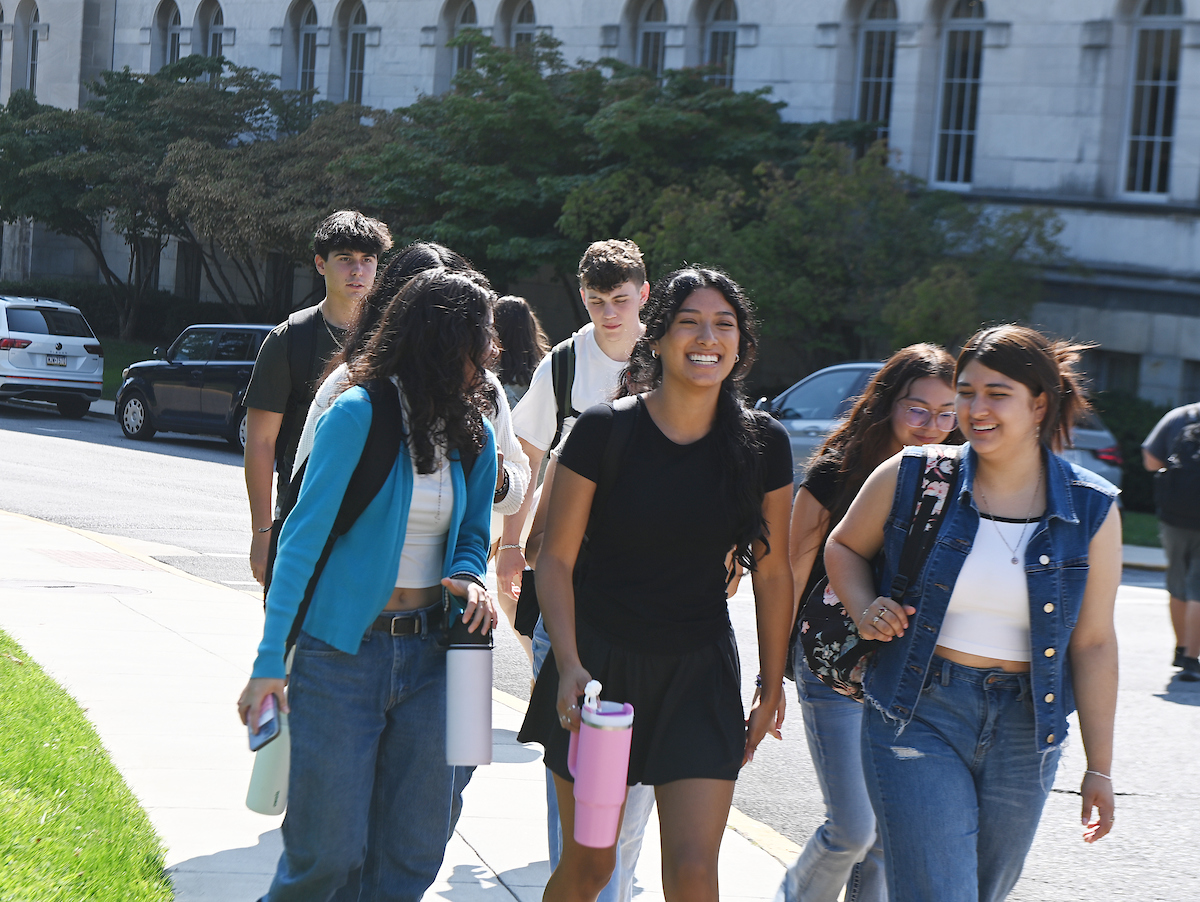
[
  {"x": 70, "y": 829},
  {"x": 1140, "y": 529},
  {"x": 118, "y": 355}
]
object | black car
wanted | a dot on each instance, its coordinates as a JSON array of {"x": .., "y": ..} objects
[{"x": 196, "y": 387}]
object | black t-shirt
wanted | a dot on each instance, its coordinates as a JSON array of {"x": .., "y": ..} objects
[
  {"x": 272, "y": 388},
  {"x": 653, "y": 574},
  {"x": 821, "y": 480}
]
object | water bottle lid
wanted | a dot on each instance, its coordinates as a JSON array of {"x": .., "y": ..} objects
[{"x": 608, "y": 715}]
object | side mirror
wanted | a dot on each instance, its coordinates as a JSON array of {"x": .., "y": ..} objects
[
  {"x": 765, "y": 404},
  {"x": 158, "y": 354}
]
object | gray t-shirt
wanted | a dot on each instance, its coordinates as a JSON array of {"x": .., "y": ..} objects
[{"x": 1161, "y": 440}]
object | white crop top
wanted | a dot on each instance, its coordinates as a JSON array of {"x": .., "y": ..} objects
[
  {"x": 988, "y": 614},
  {"x": 429, "y": 516}
]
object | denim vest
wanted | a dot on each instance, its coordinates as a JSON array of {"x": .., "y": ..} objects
[{"x": 1056, "y": 567}]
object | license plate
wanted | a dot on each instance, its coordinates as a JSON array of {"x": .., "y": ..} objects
[{"x": 56, "y": 360}]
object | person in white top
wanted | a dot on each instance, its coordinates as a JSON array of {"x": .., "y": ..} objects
[{"x": 613, "y": 287}]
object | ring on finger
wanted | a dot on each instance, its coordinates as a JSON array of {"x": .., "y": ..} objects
[{"x": 876, "y": 620}]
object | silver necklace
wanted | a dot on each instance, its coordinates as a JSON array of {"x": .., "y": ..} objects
[{"x": 1012, "y": 549}]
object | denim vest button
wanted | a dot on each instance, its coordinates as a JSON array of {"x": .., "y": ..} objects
[
  {"x": 1049, "y": 652},
  {"x": 1048, "y": 607},
  {"x": 1049, "y": 697},
  {"x": 1044, "y": 559},
  {"x": 1050, "y": 739}
]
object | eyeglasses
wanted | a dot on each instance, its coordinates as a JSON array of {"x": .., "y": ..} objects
[{"x": 918, "y": 417}]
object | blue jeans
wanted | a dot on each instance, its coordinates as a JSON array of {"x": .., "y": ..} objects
[
  {"x": 844, "y": 852},
  {"x": 639, "y": 802},
  {"x": 369, "y": 792},
  {"x": 959, "y": 791}
]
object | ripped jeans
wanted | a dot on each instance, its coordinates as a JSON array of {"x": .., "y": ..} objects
[{"x": 959, "y": 792}]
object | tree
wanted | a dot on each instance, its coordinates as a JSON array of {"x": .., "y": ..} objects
[
  {"x": 81, "y": 171},
  {"x": 252, "y": 207}
]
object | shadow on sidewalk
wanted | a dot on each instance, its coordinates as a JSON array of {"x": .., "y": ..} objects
[
  {"x": 1181, "y": 693},
  {"x": 232, "y": 875}
]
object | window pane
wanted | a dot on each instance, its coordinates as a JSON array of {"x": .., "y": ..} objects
[
  {"x": 194, "y": 345},
  {"x": 234, "y": 346},
  {"x": 821, "y": 398},
  {"x": 653, "y": 49},
  {"x": 722, "y": 45},
  {"x": 960, "y": 104},
  {"x": 1152, "y": 110},
  {"x": 876, "y": 78},
  {"x": 358, "y": 52},
  {"x": 308, "y": 61}
]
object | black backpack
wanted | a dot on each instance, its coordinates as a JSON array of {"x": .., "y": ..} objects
[
  {"x": 562, "y": 376},
  {"x": 1177, "y": 488}
]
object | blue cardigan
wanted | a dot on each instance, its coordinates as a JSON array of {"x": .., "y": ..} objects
[{"x": 361, "y": 571}]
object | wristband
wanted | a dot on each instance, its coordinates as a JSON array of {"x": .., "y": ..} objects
[
  {"x": 263, "y": 529},
  {"x": 507, "y": 548},
  {"x": 1097, "y": 773}
]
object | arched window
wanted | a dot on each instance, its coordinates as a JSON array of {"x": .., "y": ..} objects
[
  {"x": 1158, "y": 36},
  {"x": 467, "y": 19},
  {"x": 1, "y": 41},
  {"x": 722, "y": 42},
  {"x": 961, "y": 77},
  {"x": 652, "y": 38},
  {"x": 306, "y": 51},
  {"x": 31, "y": 69},
  {"x": 356, "y": 54},
  {"x": 877, "y": 67},
  {"x": 173, "y": 30},
  {"x": 216, "y": 33},
  {"x": 524, "y": 28}
]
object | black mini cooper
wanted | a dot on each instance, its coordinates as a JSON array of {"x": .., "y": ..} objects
[{"x": 195, "y": 387}]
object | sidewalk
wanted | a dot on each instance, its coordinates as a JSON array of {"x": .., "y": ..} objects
[{"x": 157, "y": 658}]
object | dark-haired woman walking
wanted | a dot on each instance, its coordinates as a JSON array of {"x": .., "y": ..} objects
[
  {"x": 369, "y": 794},
  {"x": 648, "y": 617}
]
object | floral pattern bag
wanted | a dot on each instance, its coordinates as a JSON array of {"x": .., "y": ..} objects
[{"x": 835, "y": 651}]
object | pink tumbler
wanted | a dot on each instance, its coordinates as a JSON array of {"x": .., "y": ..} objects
[{"x": 598, "y": 758}]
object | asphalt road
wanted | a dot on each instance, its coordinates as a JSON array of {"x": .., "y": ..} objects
[{"x": 185, "y": 498}]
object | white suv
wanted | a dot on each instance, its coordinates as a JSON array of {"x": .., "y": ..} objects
[{"x": 48, "y": 352}]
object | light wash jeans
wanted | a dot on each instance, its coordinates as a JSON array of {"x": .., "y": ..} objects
[
  {"x": 959, "y": 791},
  {"x": 369, "y": 791},
  {"x": 639, "y": 802},
  {"x": 844, "y": 852}
]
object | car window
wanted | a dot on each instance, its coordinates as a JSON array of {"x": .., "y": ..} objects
[
  {"x": 195, "y": 344},
  {"x": 826, "y": 396},
  {"x": 44, "y": 321},
  {"x": 234, "y": 346}
]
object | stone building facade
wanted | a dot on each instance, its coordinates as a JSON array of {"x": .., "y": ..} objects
[{"x": 1089, "y": 107}]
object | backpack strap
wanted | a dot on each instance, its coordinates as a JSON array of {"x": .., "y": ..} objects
[
  {"x": 375, "y": 464},
  {"x": 562, "y": 374},
  {"x": 940, "y": 467}
]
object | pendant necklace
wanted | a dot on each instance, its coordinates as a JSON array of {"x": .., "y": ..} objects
[{"x": 1012, "y": 549}]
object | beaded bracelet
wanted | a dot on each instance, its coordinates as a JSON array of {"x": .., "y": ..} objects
[{"x": 507, "y": 547}]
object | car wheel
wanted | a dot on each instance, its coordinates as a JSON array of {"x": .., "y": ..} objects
[
  {"x": 134, "y": 416},
  {"x": 238, "y": 439},
  {"x": 73, "y": 408}
]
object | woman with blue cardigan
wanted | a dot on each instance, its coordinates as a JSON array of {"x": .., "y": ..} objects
[{"x": 369, "y": 793}]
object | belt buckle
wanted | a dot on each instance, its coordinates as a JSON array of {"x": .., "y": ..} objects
[{"x": 414, "y": 631}]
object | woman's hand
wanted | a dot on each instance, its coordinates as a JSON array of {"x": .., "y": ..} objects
[
  {"x": 572, "y": 679},
  {"x": 251, "y": 699},
  {"x": 480, "y": 612},
  {"x": 765, "y": 717},
  {"x": 1097, "y": 794},
  {"x": 884, "y": 619}
]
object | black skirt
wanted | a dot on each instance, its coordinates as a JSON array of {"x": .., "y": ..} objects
[{"x": 687, "y": 723}]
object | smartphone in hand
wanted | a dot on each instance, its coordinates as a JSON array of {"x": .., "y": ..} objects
[{"x": 268, "y": 724}]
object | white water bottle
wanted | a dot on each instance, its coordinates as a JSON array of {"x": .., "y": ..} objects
[
  {"x": 269, "y": 779},
  {"x": 468, "y": 692}
]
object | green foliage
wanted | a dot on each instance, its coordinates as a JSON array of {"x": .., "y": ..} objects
[
  {"x": 1130, "y": 419},
  {"x": 71, "y": 828},
  {"x": 1138, "y": 528}
]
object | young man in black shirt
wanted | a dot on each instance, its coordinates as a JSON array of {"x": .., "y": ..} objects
[{"x": 293, "y": 357}]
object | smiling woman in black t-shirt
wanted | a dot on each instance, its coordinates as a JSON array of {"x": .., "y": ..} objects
[{"x": 646, "y": 613}]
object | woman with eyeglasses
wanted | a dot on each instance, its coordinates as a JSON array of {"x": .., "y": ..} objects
[{"x": 909, "y": 402}]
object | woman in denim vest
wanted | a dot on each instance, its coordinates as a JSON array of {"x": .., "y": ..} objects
[{"x": 1008, "y": 628}]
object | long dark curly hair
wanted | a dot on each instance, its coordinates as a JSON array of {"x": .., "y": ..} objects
[
  {"x": 405, "y": 263},
  {"x": 523, "y": 342},
  {"x": 738, "y": 429},
  {"x": 864, "y": 440},
  {"x": 436, "y": 336}
]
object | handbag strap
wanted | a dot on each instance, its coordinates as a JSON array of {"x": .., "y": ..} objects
[{"x": 940, "y": 466}]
